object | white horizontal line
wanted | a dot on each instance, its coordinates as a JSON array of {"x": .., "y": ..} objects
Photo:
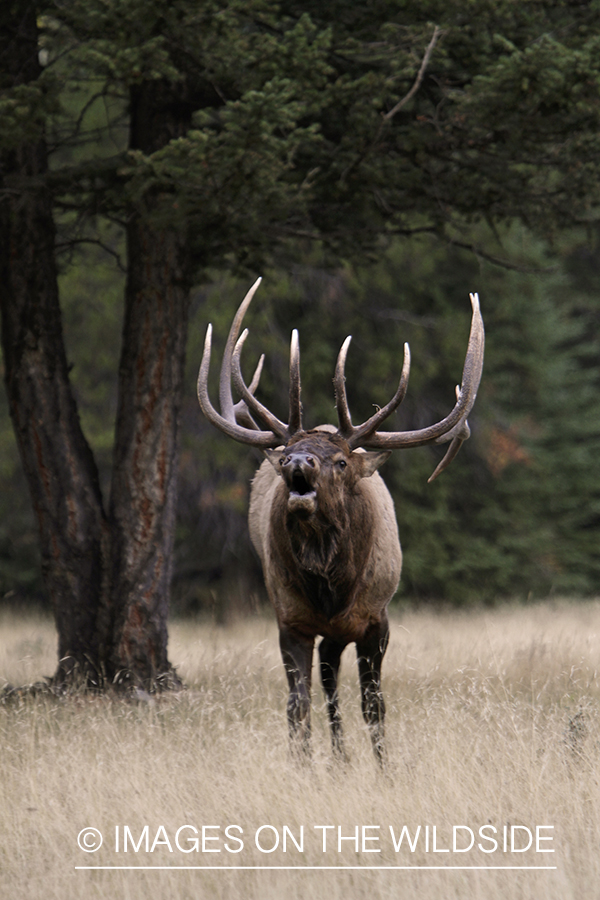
[{"x": 330, "y": 868}]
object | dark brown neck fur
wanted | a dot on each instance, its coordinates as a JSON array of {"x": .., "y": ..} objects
[{"x": 318, "y": 554}]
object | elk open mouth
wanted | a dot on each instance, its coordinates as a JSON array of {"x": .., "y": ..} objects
[
  {"x": 302, "y": 497},
  {"x": 300, "y": 485}
]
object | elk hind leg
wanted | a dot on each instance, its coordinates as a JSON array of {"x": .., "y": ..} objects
[
  {"x": 370, "y": 651},
  {"x": 330, "y": 653},
  {"x": 297, "y": 652}
]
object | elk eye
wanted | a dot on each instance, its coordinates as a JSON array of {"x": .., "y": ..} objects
[{"x": 342, "y": 463}]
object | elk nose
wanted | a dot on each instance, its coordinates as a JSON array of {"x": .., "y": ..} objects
[
  {"x": 299, "y": 460},
  {"x": 300, "y": 471}
]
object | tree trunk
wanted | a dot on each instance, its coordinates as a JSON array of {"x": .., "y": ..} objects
[
  {"x": 142, "y": 505},
  {"x": 58, "y": 463},
  {"x": 151, "y": 372},
  {"x": 108, "y": 578}
]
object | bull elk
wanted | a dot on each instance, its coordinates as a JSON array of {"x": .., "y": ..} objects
[{"x": 323, "y": 521}]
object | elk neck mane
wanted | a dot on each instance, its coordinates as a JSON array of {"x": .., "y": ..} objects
[{"x": 325, "y": 555}]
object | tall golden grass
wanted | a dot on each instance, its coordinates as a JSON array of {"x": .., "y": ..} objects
[{"x": 492, "y": 720}]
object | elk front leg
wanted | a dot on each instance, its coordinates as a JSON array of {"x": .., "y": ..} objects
[
  {"x": 330, "y": 653},
  {"x": 370, "y": 651},
  {"x": 297, "y": 652}
]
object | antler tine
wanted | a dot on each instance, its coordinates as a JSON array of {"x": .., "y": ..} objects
[
  {"x": 241, "y": 411},
  {"x": 225, "y": 396},
  {"x": 257, "y": 373},
  {"x": 450, "y": 428},
  {"x": 226, "y": 420},
  {"x": 476, "y": 324},
  {"x": 279, "y": 428},
  {"x": 339, "y": 386},
  {"x": 459, "y": 434},
  {"x": 361, "y": 432},
  {"x": 295, "y": 414},
  {"x": 355, "y": 434},
  {"x": 451, "y": 452}
]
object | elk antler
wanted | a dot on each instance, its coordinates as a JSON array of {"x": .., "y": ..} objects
[
  {"x": 236, "y": 421},
  {"x": 227, "y": 421},
  {"x": 454, "y": 427},
  {"x": 234, "y": 418}
]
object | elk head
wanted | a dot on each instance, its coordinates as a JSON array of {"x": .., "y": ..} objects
[{"x": 319, "y": 470}]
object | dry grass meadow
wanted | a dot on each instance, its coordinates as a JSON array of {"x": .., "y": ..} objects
[{"x": 492, "y": 721}]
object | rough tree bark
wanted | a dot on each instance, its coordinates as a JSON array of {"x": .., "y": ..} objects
[
  {"x": 142, "y": 504},
  {"x": 58, "y": 463},
  {"x": 107, "y": 575},
  {"x": 151, "y": 372}
]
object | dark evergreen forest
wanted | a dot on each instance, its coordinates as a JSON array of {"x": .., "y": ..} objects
[{"x": 517, "y": 515}]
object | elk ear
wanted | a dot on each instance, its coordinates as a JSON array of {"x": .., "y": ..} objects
[
  {"x": 371, "y": 460},
  {"x": 274, "y": 457}
]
